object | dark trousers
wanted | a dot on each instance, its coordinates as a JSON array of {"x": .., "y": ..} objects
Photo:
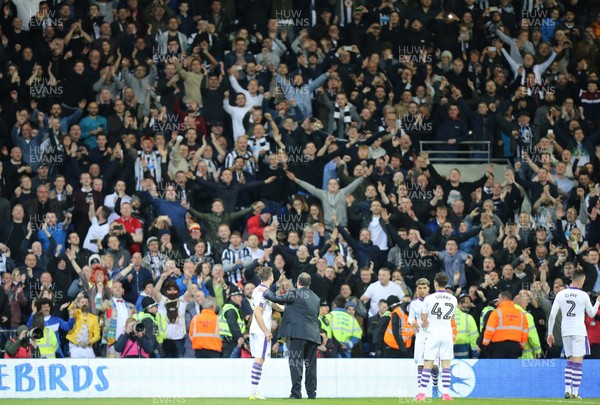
[
  {"x": 228, "y": 348},
  {"x": 594, "y": 352},
  {"x": 506, "y": 349},
  {"x": 303, "y": 353},
  {"x": 554, "y": 352},
  {"x": 174, "y": 349},
  {"x": 208, "y": 354},
  {"x": 391, "y": 353}
]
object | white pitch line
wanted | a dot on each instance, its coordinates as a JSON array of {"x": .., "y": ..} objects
[{"x": 550, "y": 401}]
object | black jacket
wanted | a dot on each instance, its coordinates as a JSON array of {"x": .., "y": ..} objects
[
  {"x": 301, "y": 316},
  {"x": 591, "y": 275}
]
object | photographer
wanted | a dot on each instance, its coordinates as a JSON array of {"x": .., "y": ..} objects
[
  {"x": 24, "y": 346},
  {"x": 155, "y": 324},
  {"x": 134, "y": 343}
]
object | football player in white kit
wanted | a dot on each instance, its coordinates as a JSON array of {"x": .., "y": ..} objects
[
  {"x": 414, "y": 318},
  {"x": 260, "y": 328},
  {"x": 437, "y": 315},
  {"x": 573, "y": 304}
]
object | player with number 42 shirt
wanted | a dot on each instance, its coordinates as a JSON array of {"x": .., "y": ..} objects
[{"x": 437, "y": 315}]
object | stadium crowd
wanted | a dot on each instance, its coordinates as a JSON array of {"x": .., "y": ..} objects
[{"x": 157, "y": 153}]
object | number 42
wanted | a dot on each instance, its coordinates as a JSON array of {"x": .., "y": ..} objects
[{"x": 437, "y": 310}]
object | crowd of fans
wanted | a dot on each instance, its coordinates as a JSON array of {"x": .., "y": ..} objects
[{"x": 157, "y": 153}]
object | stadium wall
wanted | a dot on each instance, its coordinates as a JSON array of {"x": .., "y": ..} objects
[{"x": 185, "y": 378}]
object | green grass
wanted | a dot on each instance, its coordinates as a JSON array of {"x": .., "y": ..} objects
[{"x": 279, "y": 401}]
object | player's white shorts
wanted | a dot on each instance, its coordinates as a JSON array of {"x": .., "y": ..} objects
[
  {"x": 577, "y": 346},
  {"x": 437, "y": 346},
  {"x": 420, "y": 349},
  {"x": 260, "y": 346}
]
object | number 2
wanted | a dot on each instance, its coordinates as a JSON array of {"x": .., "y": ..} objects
[
  {"x": 437, "y": 311},
  {"x": 570, "y": 311}
]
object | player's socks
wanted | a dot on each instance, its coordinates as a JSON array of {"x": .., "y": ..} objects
[
  {"x": 419, "y": 373},
  {"x": 577, "y": 371},
  {"x": 435, "y": 373},
  {"x": 256, "y": 373},
  {"x": 446, "y": 377},
  {"x": 568, "y": 376},
  {"x": 425, "y": 376}
]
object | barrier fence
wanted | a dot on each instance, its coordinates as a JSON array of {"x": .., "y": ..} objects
[
  {"x": 337, "y": 378},
  {"x": 464, "y": 152}
]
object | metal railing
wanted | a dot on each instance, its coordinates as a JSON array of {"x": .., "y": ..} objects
[{"x": 460, "y": 154}]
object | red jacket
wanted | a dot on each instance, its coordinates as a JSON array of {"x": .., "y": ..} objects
[
  {"x": 255, "y": 227},
  {"x": 593, "y": 329},
  {"x": 22, "y": 353}
]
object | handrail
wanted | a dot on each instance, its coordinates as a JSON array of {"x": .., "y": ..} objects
[{"x": 469, "y": 155}]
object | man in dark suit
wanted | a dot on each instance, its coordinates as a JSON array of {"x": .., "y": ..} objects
[
  {"x": 592, "y": 269},
  {"x": 301, "y": 325},
  {"x": 192, "y": 309}
]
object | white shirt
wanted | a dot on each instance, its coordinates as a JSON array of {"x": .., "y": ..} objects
[
  {"x": 573, "y": 304},
  {"x": 440, "y": 308},
  {"x": 414, "y": 315},
  {"x": 258, "y": 299},
  {"x": 175, "y": 330},
  {"x": 122, "y": 315},
  {"x": 25, "y": 8},
  {"x": 377, "y": 292},
  {"x": 111, "y": 199},
  {"x": 237, "y": 117},
  {"x": 256, "y": 254},
  {"x": 95, "y": 231},
  {"x": 378, "y": 235}
]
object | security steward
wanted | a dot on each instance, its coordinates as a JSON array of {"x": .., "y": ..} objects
[
  {"x": 204, "y": 331},
  {"x": 506, "y": 331},
  {"x": 465, "y": 346},
  {"x": 231, "y": 322},
  {"x": 344, "y": 327},
  {"x": 398, "y": 336},
  {"x": 325, "y": 318}
]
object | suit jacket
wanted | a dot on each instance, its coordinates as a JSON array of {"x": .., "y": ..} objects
[
  {"x": 190, "y": 313},
  {"x": 301, "y": 315},
  {"x": 591, "y": 275}
]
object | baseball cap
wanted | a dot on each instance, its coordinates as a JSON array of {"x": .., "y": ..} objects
[
  {"x": 163, "y": 232},
  {"x": 324, "y": 303},
  {"x": 266, "y": 211},
  {"x": 148, "y": 302},
  {"x": 151, "y": 239},
  {"x": 95, "y": 258},
  {"x": 235, "y": 291},
  {"x": 392, "y": 300}
]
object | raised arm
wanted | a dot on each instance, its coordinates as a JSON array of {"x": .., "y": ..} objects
[{"x": 287, "y": 298}]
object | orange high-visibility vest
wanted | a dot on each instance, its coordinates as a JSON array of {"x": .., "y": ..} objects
[
  {"x": 454, "y": 329},
  {"x": 407, "y": 331},
  {"x": 506, "y": 323},
  {"x": 204, "y": 331}
]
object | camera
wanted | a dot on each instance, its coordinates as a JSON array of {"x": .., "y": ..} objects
[
  {"x": 139, "y": 328},
  {"x": 35, "y": 334}
]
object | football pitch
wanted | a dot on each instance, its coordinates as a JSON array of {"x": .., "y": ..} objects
[{"x": 280, "y": 401}]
